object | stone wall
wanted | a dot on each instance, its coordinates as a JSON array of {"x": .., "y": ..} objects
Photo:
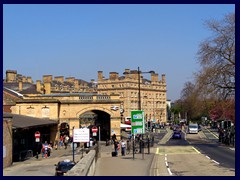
[
  {"x": 7, "y": 142},
  {"x": 85, "y": 167}
]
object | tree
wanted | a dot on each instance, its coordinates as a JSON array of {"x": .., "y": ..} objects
[{"x": 216, "y": 56}]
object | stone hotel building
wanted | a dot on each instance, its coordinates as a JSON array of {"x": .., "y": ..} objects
[{"x": 153, "y": 92}]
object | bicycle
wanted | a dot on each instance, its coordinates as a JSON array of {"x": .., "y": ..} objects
[{"x": 130, "y": 148}]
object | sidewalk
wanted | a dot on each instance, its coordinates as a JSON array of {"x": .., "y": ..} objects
[
  {"x": 141, "y": 165},
  {"x": 107, "y": 165}
]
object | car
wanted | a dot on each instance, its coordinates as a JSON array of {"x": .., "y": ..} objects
[
  {"x": 63, "y": 167},
  {"x": 176, "y": 135},
  {"x": 193, "y": 128}
]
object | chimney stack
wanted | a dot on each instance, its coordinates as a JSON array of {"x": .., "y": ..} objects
[
  {"x": 100, "y": 75},
  {"x": 47, "y": 78},
  {"x": 20, "y": 86},
  {"x": 113, "y": 75},
  {"x": 154, "y": 77},
  {"x": 163, "y": 78},
  {"x": 59, "y": 78},
  {"x": 38, "y": 84}
]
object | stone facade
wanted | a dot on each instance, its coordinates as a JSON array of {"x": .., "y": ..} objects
[
  {"x": 153, "y": 92},
  {"x": 7, "y": 141},
  {"x": 68, "y": 108}
]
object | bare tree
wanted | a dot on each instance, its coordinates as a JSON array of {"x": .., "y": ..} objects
[{"x": 216, "y": 56}]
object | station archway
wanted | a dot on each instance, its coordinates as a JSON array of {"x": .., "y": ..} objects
[{"x": 98, "y": 118}]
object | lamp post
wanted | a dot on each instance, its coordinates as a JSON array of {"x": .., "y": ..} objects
[
  {"x": 139, "y": 102},
  {"x": 139, "y": 97},
  {"x": 139, "y": 88}
]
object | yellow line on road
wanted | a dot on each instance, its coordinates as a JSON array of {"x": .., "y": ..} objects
[
  {"x": 211, "y": 133},
  {"x": 196, "y": 150}
]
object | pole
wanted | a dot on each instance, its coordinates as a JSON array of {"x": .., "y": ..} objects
[
  {"x": 99, "y": 135},
  {"x": 133, "y": 145},
  {"x": 73, "y": 144},
  {"x": 139, "y": 91}
]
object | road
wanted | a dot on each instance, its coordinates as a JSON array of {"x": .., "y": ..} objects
[{"x": 196, "y": 155}]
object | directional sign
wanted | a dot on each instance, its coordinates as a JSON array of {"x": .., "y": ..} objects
[
  {"x": 138, "y": 125},
  {"x": 81, "y": 135}
]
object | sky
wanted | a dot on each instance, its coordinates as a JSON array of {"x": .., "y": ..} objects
[{"x": 81, "y": 39}]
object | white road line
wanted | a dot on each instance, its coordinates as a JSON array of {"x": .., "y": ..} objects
[
  {"x": 169, "y": 171},
  {"x": 207, "y": 157},
  {"x": 166, "y": 163},
  {"x": 216, "y": 162}
]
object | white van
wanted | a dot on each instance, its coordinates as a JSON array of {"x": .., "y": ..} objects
[{"x": 193, "y": 128}]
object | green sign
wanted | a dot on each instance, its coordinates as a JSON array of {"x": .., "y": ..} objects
[{"x": 138, "y": 123}]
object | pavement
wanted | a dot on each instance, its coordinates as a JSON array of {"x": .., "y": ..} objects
[
  {"x": 142, "y": 164},
  {"x": 106, "y": 165}
]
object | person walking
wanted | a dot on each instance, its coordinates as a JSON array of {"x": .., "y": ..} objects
[
  {"x": 116, "y": 147},
  {"x": 66, "y": 141},
  {"x": 114, "y": 138},
  {"x": 45, "y": 150},
  {"x": 60, "y": 142},
  {"x": 123, "y": 147}
]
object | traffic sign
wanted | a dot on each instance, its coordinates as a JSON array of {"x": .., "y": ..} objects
[
  {"x": 37, "y": 134},
  {"x": 94, "y": 129},
  {"x": 138, "y": 122}
]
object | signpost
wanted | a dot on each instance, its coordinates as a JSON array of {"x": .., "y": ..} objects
[
  {"x": 80, "y": 135},
  {"x": 94, "y": 130},
  {"x": 37, "y": 136},
  {"x": 138, "y": 124}
]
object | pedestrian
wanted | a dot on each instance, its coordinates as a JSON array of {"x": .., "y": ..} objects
[
  {"x": 116, "y": 147},
  {"x": 56, "y": 145},
  {"x": 66, "y": 141},
  {"x": 45, "y": 150},
  {"x": 114, "y": 138},
  {"x": 49, "y": 149},
  {"x": 60, "y": 142},
  {"x": 123, "y": 147}
]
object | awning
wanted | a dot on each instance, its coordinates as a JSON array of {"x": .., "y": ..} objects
[
  {"x": 21, "y": 121},
  {"x": 125, "y": 126}
]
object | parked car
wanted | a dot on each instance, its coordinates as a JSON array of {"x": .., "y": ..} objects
[
  {"x": 63, "y": 167},
  {"x": 177, "y": 135}
]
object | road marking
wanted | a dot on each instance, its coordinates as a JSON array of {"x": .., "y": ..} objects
[
  {"x": 208, "y": 157},
  {"x": 212, "y": 133},
  {"x": 196, "y": 150},
  {"x": 166, "y": 163},
  {"x": 215, "y": 161},
  {"x": 169, "y": 171}
]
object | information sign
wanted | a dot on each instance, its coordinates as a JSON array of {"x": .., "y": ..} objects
[
  {"x": 138, "y": 125},
  {"x": 81, "y": 135}
]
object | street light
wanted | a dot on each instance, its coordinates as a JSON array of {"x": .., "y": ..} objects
[{"x": 139, "y": 89}]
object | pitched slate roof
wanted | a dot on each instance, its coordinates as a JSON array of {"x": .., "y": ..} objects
[{"x": 21, "y": 121}]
